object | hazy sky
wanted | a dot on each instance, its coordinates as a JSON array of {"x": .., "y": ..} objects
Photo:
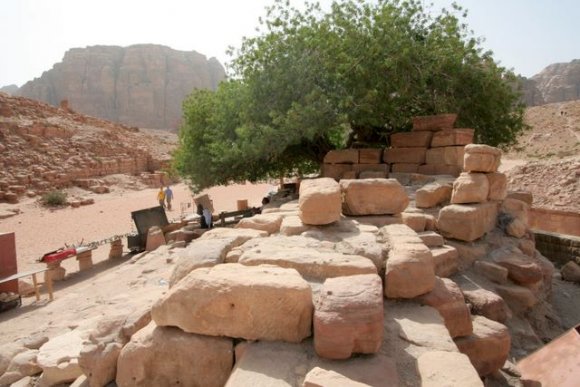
[{"x": 525, "y": 35}]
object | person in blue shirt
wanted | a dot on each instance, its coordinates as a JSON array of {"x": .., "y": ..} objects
[{"x": 168, "y": 197}]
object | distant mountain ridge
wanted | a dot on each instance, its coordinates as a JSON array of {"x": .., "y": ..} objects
[
  {"x": 141, "y": 85},
  {"x": 558, "y": 82}
]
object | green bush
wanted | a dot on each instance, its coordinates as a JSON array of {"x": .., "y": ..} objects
[{"x": 54, "y": 198}]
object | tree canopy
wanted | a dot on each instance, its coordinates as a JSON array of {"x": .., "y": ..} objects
[{"x": 315, "y": 80}]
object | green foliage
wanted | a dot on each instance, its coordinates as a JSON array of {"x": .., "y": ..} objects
[
  {"x": 313, "y": 81},
  {"x": 54, "y": 199}
]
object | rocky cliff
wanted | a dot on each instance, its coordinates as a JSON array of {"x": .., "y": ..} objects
[
  {"x": 140, "y": 85},
  {"x": 559, "y": 82}
]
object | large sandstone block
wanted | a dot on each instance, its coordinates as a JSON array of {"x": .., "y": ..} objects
[
  {"x": 432, "y": 194},
  {"x": 439, "y": 169},
  {"x": 415, "y": 220},
  {"x": 292, "y": 225},
  {"x": 319, "y": 202},
  {"x": 308, "y": 261},
  {"x": 348, "y": 316},
  {"x": 470, "y": 188},
  {"x": 434, "y": 123},
  {"x": 446, "y": 260},
  {"x": 58, "y": 358},
  {"x": 167, "y": 356},
  {"x": 571, "y": 272},
  {"x": 250, "y": 302},
  {"x": 487, "y": 304},
  {"x": 21, "y": 365},
  {"x": 521, "y": 268},
  {"x": 524, "y": 196},
  {"x": 404, "y": 155},
  {"x": 448, "y": 299},
  {"x": 411, "y": 140},
  {"x": 518, "y": 298},
  {"x": 467, "y": 222},
  {"x": 363, "y": 171},
  {"x": 487, "y": 347},
  {"x": 452, "y": 137},
  {"x": 448, "y": 155},
  {"x": 491, "y": 271},
  {"x": 318, "y": 377},
  {"x": 264, "y": 222},
  {"x": 342, "y": 156},
  {"x": 431, "y": 239},
  {"x": 497, "y": 185},
  {"x": 481, "y": 158},
  {"x": 370, "y": 155},
  {"x": 373, "y": 197},
  {"x": 155, "y": 238},
  {"x": 405, "y": 167},
  {"x": 442, "y": 368},
  {"x": 516, "y": 209},
  {"x": 337, "y": 171}
]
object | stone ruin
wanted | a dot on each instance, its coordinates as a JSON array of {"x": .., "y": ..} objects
[{"x": 419, "y": 280}]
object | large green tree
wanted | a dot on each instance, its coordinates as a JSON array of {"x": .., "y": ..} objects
[{"x": 311, "y": 81}]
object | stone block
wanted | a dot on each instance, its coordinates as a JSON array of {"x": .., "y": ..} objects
[
  {"x": 342, "y": 156},
  {"x": 320, "y": 201},
  {"x": 433, "y": 194},
  {"x": 571, "y": 272},
  {"x": 416, "y": 221},
  {"x": 348, "y": 316},
  {"x": 497, "y": 186},
  {"x": 524, "y": 196},
  {"x": 491, "y": 271},
  {"x": 264, "y": 222},
  {"x": 446, "y": 260},
  {"x": 233, "y": 300},
  {"x": 155, "y": 238},
  {"x": 518, "y": 298},
  {"x": 404, "y": 155},
  {"x": 362, "y": 168},
  {"x": 516, "y": 209},
  {"x": 337, "y": 171},
  {"x": 467, "y": 222},
  {"x": 411, "y": 140},
  {"x": 441, "y": 368},
  {"x": 448, "y": 299},
  {"x": 85, "y": 260},
  {"x": 448, "y": 155},
  {"x": 370, "y": 155},
  {"x": 292, "y": 225},
  {"x": 481, "y": 158},
  {"x": 452, "y": 137},
  {"x": 431, "y": 239},
  {"x": 487, "y": 347},
  {"x": 373, "y": 175},
  {"x": 470, "y": 188},
  {"x": 439, "y": 169},
  {"x": 318, "y": 377},
  {"x": 373, "y": 197},
  {"x": 434, "y": 123},
  {"x": 405, "y": 167},
  {"x": 521, "y": 268},
  {"x": 487, "y": 304}
]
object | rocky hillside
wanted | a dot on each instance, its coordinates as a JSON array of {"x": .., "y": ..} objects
[
  {"x": 43, "y": 148},
  {"x": 559, "y": 82},
  {"x": 140, "y": 85}
]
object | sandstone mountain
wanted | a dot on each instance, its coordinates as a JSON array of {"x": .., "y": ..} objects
[
  {"x": 141, "y": 85},
  {"x": 559, "y": 82},
  {"x": 9, "y": 89}
]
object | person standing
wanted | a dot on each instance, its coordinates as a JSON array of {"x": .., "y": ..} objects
[
  {"x": 161, "y": 197},
  {"x": 168, "y": 197},
  {"x": 208, "y": 218}
]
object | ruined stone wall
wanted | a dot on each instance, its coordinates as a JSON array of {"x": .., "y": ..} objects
[{"x": 561, "y": 222}]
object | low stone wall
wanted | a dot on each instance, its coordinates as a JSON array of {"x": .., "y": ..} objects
[
  {"x": 554, "y": 221},
  {"x": 559, "y": 248}
]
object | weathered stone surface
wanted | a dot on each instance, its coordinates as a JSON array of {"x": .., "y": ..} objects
[
  {"x": 521, "y": 268},
  {"x": 404, "y": 155},
  {"x": 524, "y": 196},
  {"x": 318, "y": 377},
  {"x": 7, "y": 352},
  {"x": 448, "y": 299},
  {"x": 98, "y": 358},
  {"x": 452, "y": 137},
  {"x": 518, "y": 298},
  {"x": 432, "y": 195},
  {"x": 487, "y": 304},
  {"x": 320, "y": 201},
  {"x": 342, "y": 156},
  {"x": 364, "y": 169},
  {"x": 441, "y": 368},
  {"x": 264, "y": 222},
  {"x": 167, "y": 356},
  {"x": 430, "y": 222},
  {"x": 434, "y": 123},
  {"x": 405, "y": 168},
  {"x": 571, "y": 272},
  {"x": 448, "y": 155},
  {"x": 58, "y": 358},
  {"x": 337, "y": 171},
  {"x": 378, "y": 220},
  {"x": 141, "y": 85},
  {"x": 446, "y": 260},
  {"x": 348, "y": 316},
  {"x": 240, "y": 235},
  {"x": 467, "y": 222},
  {"x": 440, "y": 169},
  {"x": 516, "y": 209},
  {"x": 416, "y": 221},
  {"x": 411, "y": 140},
  {"x": 292, "y": 225},
  {"x": 251, "y": 302},
  {"x": 22, "y": 365},
  {"x": 155, "y": 238},
  {"x": 470, "y": 188},
  {"x": 488, "y": 346},
  {"x": 370, "y": 155},
  {"x": 370, "y": 175},
  {"x": 431, "y": 239},
  {"x": 557, "y": 82},
  {"x": 373, "y": 197},
  {"x": 410, "y": 268},
  {"x": 293, "y": 253},
  {"x": 516, "y": 228},
  {"x": 481, "y": 158},
  {"x": 492, "y": 272},
  {"x": 497, "y": 185}
]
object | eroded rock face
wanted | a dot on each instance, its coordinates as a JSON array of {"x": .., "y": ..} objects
[
  {"x": 470, "y": 188},
  {"x": 319, "y": 201},
  {"x": 373, "y": 197},
  {"x": 558, "y": 82},
  {"x": 233, "y": 300},
  {"x": 481, "y": 158},
  {"x": 141, "y": 85},
  {"x": 467, "y": 222},
  {"x": 348, "y": 317},
  {"x": 441, "y": 368},
  {"x": 167, "y": 356}
]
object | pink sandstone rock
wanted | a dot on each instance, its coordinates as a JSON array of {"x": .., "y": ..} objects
[
  {"x": 434, "y": 123},
  {"x": 405, "y": 167},
  {"x": 521, "y": 268},
  {"x": 487, "y": 347},
  {"x": 416, "y": 221},
  {"x": 337, "y": 171},
  {"x": 481, "y": 158},
  {"x": 442, "y": 368},
  {"x": 440, "y": 169},
  {"x": 370, "y": 155},
  {"x": 264, "y": 222},
  {"x": 404, "y": 155},
  {"x": 448, "y": 155},
  {"x": 470, "y": 188},
  {"x": 448, "y": 299},
  {"x": 518, "y": 298},
  {"x": 467, "y": 222},
  {"x": 155, "y": 238},
  {"x": 342, "y": 156},
  {"x": 491, "y": 271},
  {"x": 517, "y": 209},
  {"x": 431, "y": 239},
  {"x": 571, "y": 272},
  {"x": 411, "y": 140},
  {"x": 348, "y": 316},
  {"x": 320, "y": 201},
  {"x": 516, "y": 228},
  {"x": 373, "y": 197},
  {"x": 432, "y": 195},
  {"x": 318, "y": 377},
  {"x": 371, "y": 175},
  {"x": 446, "y": 260},
  {"x": 497, "y": 185},
  {"x": 452, "y": 137},
  {"x": 487, "y": 304}
]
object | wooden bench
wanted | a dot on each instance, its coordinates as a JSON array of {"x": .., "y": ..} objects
[
  {"x": 233, "y": 217},
  {"x": 83, "y": 255},
  {"x": 33, "y": 273}
]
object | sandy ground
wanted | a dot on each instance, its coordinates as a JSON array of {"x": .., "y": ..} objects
[{"x": 39, "y": 230}]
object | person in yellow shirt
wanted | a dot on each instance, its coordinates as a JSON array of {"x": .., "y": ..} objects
[{"x": 161, "y": 197}]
